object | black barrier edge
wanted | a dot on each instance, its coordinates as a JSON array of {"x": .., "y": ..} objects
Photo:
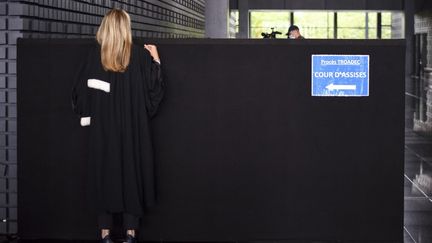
[{"x": 206, "y": 41}]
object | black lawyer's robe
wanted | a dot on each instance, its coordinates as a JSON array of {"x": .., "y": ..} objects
[{"x": 117, "y": 108}]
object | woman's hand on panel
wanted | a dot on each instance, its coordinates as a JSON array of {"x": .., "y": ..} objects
[{"x": 153, "y": 52}]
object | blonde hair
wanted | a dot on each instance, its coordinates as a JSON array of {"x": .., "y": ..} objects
[{"x": 115, "y": 38}]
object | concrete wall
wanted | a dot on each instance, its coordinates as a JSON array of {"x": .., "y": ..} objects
[{"x": 216, "y": 15}]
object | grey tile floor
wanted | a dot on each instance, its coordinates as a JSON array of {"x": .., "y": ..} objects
[{"x": 418, "y": 182}]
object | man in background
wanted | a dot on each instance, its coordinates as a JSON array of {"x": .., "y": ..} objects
[{"x": 294, "y": 32}]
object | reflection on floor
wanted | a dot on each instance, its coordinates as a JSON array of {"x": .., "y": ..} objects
[{"x": 418, "y": 182}]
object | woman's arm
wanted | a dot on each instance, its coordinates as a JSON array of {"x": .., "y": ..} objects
[
  {"x": 153, "y": 52},
  {"x": 154, "y": 83}
]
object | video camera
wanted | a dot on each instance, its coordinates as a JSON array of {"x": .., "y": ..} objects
[{"x": 271, "y": 35}]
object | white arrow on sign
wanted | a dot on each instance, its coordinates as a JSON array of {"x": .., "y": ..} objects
[{"x": 332, "y": 87}]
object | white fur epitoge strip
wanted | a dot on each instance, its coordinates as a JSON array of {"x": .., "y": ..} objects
[
  {"x": 85, "y": 121},
  {"x": 98, "y": 84}
]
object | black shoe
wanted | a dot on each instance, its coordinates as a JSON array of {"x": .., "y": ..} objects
[
  {"x": 131, "y": 239},
  {"x": 107, "y": 239}
]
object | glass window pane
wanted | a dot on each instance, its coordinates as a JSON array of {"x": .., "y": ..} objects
[
  {"x": 315, "y": 24},
  {"x": 320, "y": 24},
  {"x": 372, "y": 34},
  {"x": 372, "y": 25},
  {"x": 386, "y": 32},
  {"x": 351, "y": 25},
  {"x": 352, "y": 19},
  {"x": 351, "y": 33},
  {"x": 372, "y": 19},
  {"x": 263, "y": 21},
  {"x": 386, "y": 18}
]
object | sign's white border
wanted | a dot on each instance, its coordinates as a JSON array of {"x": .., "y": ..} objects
[{"x": 357, "y": 55}]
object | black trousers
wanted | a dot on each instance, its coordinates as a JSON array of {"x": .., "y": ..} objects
[{"x": 130, "y": 221}]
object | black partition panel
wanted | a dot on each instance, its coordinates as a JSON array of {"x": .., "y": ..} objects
[{"x": 243, "y": 152}]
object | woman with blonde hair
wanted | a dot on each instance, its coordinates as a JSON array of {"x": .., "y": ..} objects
[{"x": 116, "y": 93}]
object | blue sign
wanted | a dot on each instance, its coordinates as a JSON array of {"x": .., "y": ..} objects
[{"x": 340, "y": 75}]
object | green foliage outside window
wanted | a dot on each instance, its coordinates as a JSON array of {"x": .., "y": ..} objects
[
  {"x": 386, "y": 25},
  {"x": 320, "y": 24},
  {"x": 315, "y": 24},
  {"x": 351, "y": 25},
  {"x": 372, "y": 25},
  {"x": 263, "y": 21}
]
